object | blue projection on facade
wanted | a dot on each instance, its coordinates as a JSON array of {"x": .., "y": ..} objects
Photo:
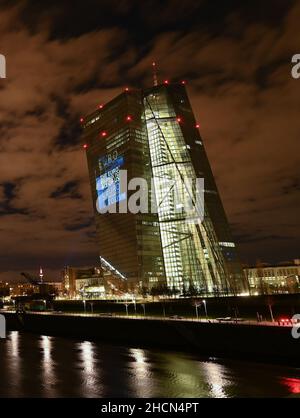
[{"x": 108, "y": 183}]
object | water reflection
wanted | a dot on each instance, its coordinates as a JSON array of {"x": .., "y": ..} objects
[
  {"x": 90, "y": 373},
  {"x": 142, "y": 380},
  {"x": 13, "y": 362},
  {"x": 33, "y": 365},
  {"x": 293, "y": 385},
  {"x": 215, "y": 377},
  {"x": 47, "y": 367}
]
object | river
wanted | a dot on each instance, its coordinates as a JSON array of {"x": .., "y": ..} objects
[{"x": 41, "y": 366}]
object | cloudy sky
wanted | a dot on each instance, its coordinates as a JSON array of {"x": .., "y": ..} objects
[{"x": 64, "y": 58}]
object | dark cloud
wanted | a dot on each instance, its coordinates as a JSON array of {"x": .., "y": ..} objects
[
  {"x": 64, "y": 58},
  {"x": 68, "y": 191},
  {"x": 80, "y": 225},
  {"x": 9, "y": 191}
]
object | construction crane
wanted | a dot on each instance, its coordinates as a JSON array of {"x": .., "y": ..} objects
[
  {"x": 32, "y": 280},
  {"x": 45, "y": 289},
  {"x": 37, "y": 301}
]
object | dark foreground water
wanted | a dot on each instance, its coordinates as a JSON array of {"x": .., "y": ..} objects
[{"x": 33, "y": 365}]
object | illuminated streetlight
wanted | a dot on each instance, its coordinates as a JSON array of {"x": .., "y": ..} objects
[
  {"x": 134, "y": 303},
  {"x": 197, "y": 304},
  {"x": 204, "y": 303},
  {"x": 126, "y": 306}
]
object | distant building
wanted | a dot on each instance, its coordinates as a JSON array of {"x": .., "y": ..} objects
[
  {"x": 58, "y": 287},
  {"x": 153, "y": 134},
  {"x": 271, "y": 279},
  {"x": 28, "y": 289},
  {"x": 23, "y": 289},
  {"x": 4, "y": 289},
  {"x": 77, "y": 278},
  {"x": 92, "y": 282}
]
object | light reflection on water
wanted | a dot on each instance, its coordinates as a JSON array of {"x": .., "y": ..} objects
[
  {"x": 11, "y": 353},
  {"x": 215, "y": 376},
  {"x": 91, "y": 373},
  {"x": 33, "y": 365},
  {"x": 47, "y": 366},
  {"x": 141, "y": 373}
]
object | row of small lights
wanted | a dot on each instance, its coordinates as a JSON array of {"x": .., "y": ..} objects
[
  {"x": 101, "y": 106},
  {"x": 129, "y": 117}
]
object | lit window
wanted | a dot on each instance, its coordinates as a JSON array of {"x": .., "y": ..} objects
[{"x": 227, "y": 244}]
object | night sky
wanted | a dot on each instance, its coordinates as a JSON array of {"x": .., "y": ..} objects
[{"x": 64, "y": 58}]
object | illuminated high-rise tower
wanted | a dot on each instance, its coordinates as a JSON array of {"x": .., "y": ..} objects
[{"x": 152, "y": 134}]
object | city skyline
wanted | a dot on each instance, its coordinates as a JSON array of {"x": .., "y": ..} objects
[{"x": 249, "y": 126}]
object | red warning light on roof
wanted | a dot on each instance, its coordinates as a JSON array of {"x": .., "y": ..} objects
[
  {"x": 103, "y": 133},
  {"x": 81, "y": 120},
  {"x": 197, "y": 125},
  {"x": 166, "y": 82},
  {"x": 183, "y": 82},
  {"x": 100, "y": 106},
  {"x": 179, "y": 119},
  {"x": 85, "y": 146},
  {"x": 129, "y": 118},
  {"x": 126, "y": 88}
]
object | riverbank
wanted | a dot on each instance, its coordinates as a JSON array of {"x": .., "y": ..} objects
[
  {"x": 249, "y": 307},
  {"x": 269, "y": 344}
]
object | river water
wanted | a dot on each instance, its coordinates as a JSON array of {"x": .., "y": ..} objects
[{"x": 41, "y": 366}]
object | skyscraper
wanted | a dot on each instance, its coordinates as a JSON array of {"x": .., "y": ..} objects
[
  {"x": 116, "y": 139},
  {"x": 152, "y": 134}
]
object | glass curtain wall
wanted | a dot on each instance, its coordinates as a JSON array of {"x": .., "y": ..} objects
[{"x": 191, "y": 252}]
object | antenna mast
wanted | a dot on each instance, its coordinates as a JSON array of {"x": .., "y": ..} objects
[
  {"x": 155, "y": 79},
  {"x": 41, "y": 274}
]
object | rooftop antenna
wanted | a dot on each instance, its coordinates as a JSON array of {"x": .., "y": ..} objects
[
  {"x": 155, "y": 79},
  {"x": 41, "y": 274}
]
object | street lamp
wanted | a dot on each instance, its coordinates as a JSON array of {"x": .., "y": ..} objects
[
  {"x": 271, "y": 312},
  {"x": 126, "y": 306},
  {"x": 197, "y": 304},
  {"x": 204, "y": 303},
  {"x": 134, "y": 304}
]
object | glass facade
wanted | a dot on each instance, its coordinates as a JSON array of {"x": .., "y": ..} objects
[
  {"x": 216, "y": 223},
  {"x": 191, "y": 251},
  {"x": 115, "y": 138},
  {"x": 152, "y": 134}
]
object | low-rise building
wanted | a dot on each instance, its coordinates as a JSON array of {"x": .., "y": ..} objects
[
  {"x": 269, "y": 279},
  {"x": 79, "y": 280},
  {"x": 93, "y": 282},
  {"x": 4, "y": 289}
]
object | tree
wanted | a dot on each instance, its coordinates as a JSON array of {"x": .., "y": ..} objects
[
  {"x": 144, "y": 291},
  {"x": 192, "y": 290},
  {"x": 260, "y": 274},
  {"x": 174, "y": 291}
]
